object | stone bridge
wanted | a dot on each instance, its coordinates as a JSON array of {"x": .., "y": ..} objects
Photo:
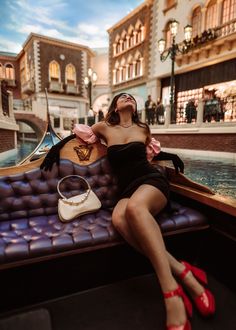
[{"x": 36, "y": 123}]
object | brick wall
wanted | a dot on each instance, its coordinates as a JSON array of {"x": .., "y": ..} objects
[
  {"x": 7, "y": 140},
  {"x": 49, "y": 52},
  {"x": 211, "y": 142}
]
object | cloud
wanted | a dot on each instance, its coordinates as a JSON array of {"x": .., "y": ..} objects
[
  {"x": 76, "y": 21},
  {"x": 27, "y": 29},
  {"x": 9, "y": 46}
]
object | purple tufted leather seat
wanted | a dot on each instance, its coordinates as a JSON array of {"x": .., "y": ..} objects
[{"x": 29, "y": 225}]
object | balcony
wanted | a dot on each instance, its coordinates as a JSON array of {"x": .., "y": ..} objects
[
  {"x": 56, "y": 86},
  {"x": 72, "y": 89},
  {"x": 210, "y": 43},
  {"x": 27, "y": 87}
]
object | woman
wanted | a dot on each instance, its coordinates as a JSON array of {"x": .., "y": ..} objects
[{"x": 144, "y": 193}]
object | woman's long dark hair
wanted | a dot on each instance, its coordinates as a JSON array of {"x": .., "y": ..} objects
[{"x": 113, "y": 118}]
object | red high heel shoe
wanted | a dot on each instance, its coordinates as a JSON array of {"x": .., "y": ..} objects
[
  {"x": 179, "y": 292},
  {"x": 205, "y": 302}
]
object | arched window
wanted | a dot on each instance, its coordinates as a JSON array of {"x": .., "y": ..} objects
[
  {"x": 138, "y": 28},
  {"x": 196, "y": 21},
  {"x": 229, "y": 10},
  {"x": 117, "y": 72},
  {"x": 54, "y": 71},
  {"x": 123, "y": 38},
  {"x": 139, "y": 64},
  {"x": 1, "y": 71},
  {"x": 211, "y": 15},
  {"x": 70, "y": 74},
  {"x": 130, "y": 67},
  {"x": 9, "y": 72},
  {"x": 132, "y": 37}
]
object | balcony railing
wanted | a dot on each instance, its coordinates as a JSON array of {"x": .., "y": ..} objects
[
  {"x": 56, "y": 86},
  {"x": 226, "y": 29},
  {"x": 27, "y": 87},
  {"x": 72, "y": 89}
]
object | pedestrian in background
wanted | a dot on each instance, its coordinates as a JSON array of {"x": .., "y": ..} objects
[{"x": 150, "y": 110}]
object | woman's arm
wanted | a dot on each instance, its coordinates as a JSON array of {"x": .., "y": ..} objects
[
  {"x": 84, "y": 132},
  {"x": 177, "y": 162},
  {"x": 53, "y": 155}
]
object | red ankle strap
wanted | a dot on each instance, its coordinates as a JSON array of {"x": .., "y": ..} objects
[
  {"x": 176, "y": 292},
  {"x": 185, "y": 271}
]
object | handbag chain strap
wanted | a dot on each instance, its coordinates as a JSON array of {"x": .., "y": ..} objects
[{"x": 82, "y": 199}]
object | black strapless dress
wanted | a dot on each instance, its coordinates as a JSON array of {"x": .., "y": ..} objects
[{"x": 130, "y": 165}]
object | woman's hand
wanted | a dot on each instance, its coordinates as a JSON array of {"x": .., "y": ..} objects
[
  {"x": 177, "y": 162},
  {"x": 53, "y": 155}
]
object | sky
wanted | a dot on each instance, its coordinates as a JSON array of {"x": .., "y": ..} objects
[{"x": 81, "y": 21}]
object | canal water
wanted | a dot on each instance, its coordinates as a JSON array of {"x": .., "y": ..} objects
[
  {"x": 23, "y": 150},
  {"x": 218, "y": 174}
]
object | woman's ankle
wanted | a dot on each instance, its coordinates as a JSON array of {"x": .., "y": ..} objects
[{"x": 175, "y": 311}]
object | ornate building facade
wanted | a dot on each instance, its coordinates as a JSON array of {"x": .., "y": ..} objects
[
  {"x": 204, "y": 89},
  {"x": 129, "y": 53},
  {"x": 205, "y": 73},
  {"x": 8, "y": 127},
  {"x": 60, "y": 67}
]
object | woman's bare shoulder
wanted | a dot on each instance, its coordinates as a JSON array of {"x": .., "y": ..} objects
[{"x": 99, "y": 127}]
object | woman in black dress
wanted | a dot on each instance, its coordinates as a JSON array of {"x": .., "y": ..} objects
[{"x": 144, "y": 192}]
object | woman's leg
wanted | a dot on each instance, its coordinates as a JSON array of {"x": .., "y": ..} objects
[
  {"x": 121, "y": 224},
  {"x": 145, "y": 230}
]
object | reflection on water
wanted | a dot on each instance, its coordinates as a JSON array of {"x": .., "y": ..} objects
[
  {"x": 23, "y": 150},
  {"x": 217, "y": 174}
]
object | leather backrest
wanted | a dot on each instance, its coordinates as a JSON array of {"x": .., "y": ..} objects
[{"x": 34, "y": 193}]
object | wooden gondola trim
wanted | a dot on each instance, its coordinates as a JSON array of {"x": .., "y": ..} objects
[{"x": 223, "y": 203}]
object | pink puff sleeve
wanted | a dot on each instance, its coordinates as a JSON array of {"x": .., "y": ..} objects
[
  {"x": 153, "y": 149},
  {"x": 85, "y": 133}
]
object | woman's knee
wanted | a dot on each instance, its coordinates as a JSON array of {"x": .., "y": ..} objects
[{"x": 134, "y": 210}]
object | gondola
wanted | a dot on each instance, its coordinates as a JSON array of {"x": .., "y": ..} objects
[
  {"x": 50, "y": 138},
  {"x": 114, "y": 287}
]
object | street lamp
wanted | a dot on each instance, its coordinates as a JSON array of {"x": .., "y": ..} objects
[
  {"x": 89, "y": 82},
  {"x": 172, "y": 51}
]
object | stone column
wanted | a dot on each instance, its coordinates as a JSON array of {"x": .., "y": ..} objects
[
  {"x": 200, "y": 113},
  {"x": 219, "y": 11},
  {"x": 167, "y": 116},
  {"x": 203, "y": 27}
]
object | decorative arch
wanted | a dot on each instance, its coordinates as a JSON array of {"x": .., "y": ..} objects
[
  {"x": 1, "y": 71},
  {"x": 228, "y": 11},
  {"x": 117, "y": 38},
  {"x": 211, "y": 14},
  {"x": 123, "y": 61},
  {"x": 9, "y": 71},
  {"x": 54, "y": 71},
  {"x": 138, "y": 25},
  {"x": 70, "y": 74},
  {"x": 130, "y": 29},
  {"x": 137, "y": 55},
  {"x": 196, "y": 20},
  {"x": 117, "y": 65},
  {"x": 123, "y": 34},
  {"x": 130, "y": 59}
]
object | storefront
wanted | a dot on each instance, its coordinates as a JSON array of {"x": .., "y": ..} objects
[{"x": 213, "y": 85}]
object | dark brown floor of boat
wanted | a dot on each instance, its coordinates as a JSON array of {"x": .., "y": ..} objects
[{"x": 134, "y": 304}]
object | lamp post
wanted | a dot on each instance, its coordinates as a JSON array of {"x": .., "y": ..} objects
[
  {"x": 89, "y": 82},
  {"x": 172, "y": 51}
]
